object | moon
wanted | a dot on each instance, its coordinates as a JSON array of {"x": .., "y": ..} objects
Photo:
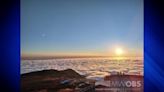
[{"x": 43, "y": 35}]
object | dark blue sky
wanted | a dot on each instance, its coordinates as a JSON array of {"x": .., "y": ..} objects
[{"x": 81, "y": 27}]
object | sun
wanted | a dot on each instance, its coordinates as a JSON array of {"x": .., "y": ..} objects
[{"x": 119, "y": 51}]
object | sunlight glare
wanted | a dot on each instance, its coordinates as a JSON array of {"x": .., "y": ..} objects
[{"x": 119, "y": 51}]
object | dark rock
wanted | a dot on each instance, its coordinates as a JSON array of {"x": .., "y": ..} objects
[{"x": 47, "y": 80}]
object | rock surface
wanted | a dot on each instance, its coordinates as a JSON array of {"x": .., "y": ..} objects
[{"x": 48, "y": 80}]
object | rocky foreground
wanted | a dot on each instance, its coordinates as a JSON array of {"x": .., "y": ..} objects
[
  {"x": 70, "y": 81},
  {"x": 53, "y": 81}
]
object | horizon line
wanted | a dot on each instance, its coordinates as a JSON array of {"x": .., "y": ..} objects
[{"x": 71, "y": 56}]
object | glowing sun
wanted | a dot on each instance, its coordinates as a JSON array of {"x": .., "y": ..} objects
[{"x": 119, "y": 51}]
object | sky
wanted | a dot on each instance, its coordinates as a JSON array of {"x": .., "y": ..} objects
[{"x": 81, "y": 27}]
